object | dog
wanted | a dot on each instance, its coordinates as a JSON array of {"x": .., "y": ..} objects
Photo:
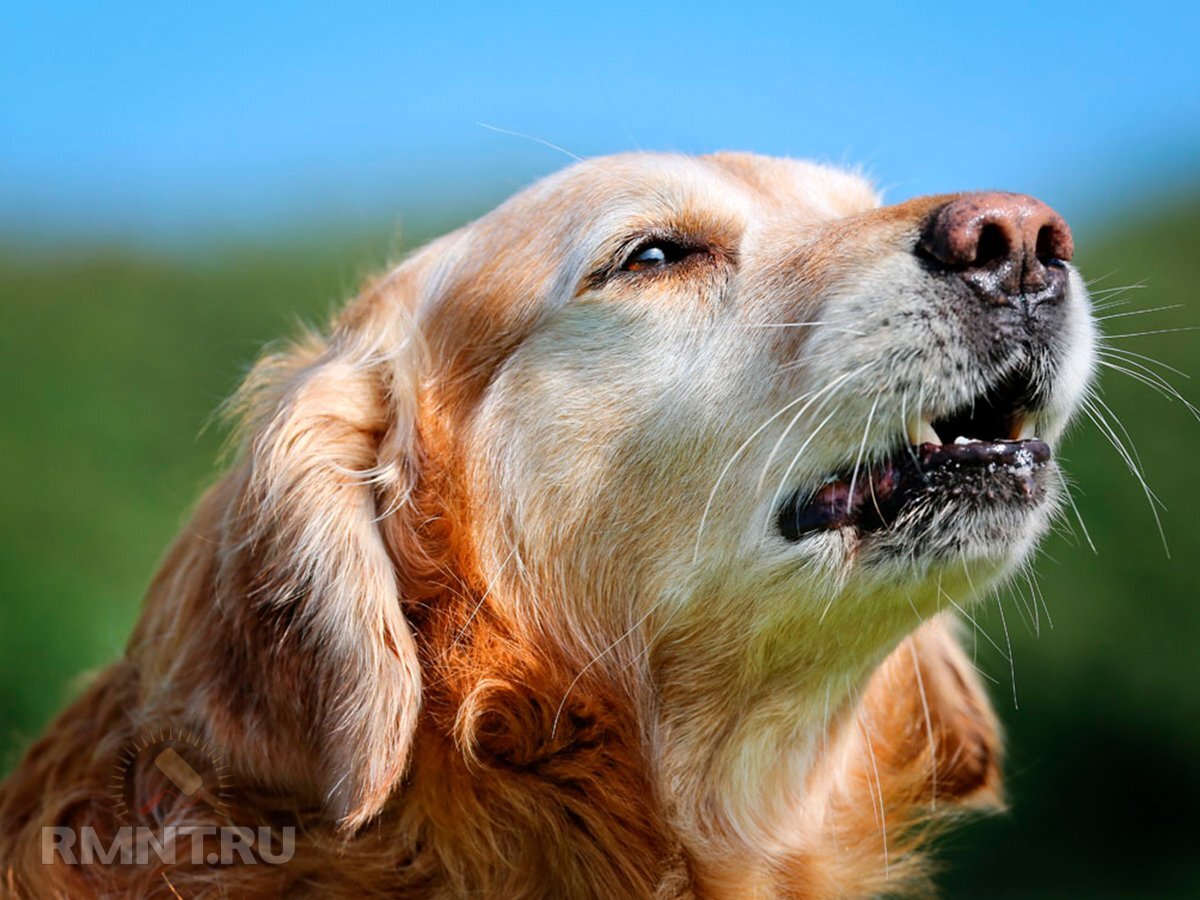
[{"x": 609, "y": 546}]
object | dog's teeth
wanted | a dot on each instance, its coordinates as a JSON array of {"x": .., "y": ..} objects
[
  {"x": 960, "y": 440},
  {"x": 920, "y": 431},
  {"x": 1027, "y": 429}
]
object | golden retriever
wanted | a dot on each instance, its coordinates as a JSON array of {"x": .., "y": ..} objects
[{"x": 603, "y": 548}]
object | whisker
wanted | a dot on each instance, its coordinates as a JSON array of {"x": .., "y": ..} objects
[
  {"x": 1123, "y": 353},
  {"x": 1030, "y": 605},
  {"x": 1152, "y": 380},
  {"x": 1095, "y": 291},
  {"x": 732, "y": 459},
  {"x": 1125, "y": 431},
  {"x": 1036, "y": 590},
  {"x": 912, "y": 648},
  {"x": 829, "y": 325},
  {"x": 775, "y": 449},
  {"x": 530, "y": 137},
  {"x": 785, "y": 324},
  {"x": 1096, "y": 279},
  {"x": 1111, "y": 435},
  {"x": 1012, "y": 666},
  {"x": 595, "y": 659},
  {"x": 1087, "y": 536},
  {"x": 974, "y": 622},
  {"x": 1109, "y": 292},
  {"x": 795, "y": 459},
  {"x": 478, "y": 606},
  {"x": 1138, "y": 312},
  {"x": 864, "y": 729},
  {"x": 861, "y": 449},
  {"x": 1113, "y": 337}
]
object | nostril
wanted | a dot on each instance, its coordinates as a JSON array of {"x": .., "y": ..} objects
[
  {"x": 993, "y": 245},
  {"x": 1050, "y": 244}
]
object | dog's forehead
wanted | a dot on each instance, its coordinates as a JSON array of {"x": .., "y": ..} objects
[
  {"x": 805, "y": 188},
  {"x": 607, "y": 194}
]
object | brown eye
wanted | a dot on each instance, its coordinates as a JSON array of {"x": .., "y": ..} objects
[{"x": 654, "y": 255}]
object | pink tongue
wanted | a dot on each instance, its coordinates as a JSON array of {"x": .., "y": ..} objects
[
  {"x": 874, "y": 499},
  {"x": 835, "y": 497},
  {"x": 871, "y": 486}
]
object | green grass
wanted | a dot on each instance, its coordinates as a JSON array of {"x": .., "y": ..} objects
[
  {"x": 113, "y": 362},
  {"x": 113, "y": 366}
]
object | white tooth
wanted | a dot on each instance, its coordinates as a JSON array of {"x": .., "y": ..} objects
[
  {"x": 920, "y": 431},
  {"x": 1028, "y": 429},
  {"x": 960, "y": 440}
]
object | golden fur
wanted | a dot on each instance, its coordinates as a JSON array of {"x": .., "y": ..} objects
[{"x": 453, "y": 614}]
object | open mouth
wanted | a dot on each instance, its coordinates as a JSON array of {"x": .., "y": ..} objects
[{"x": 984, "y": 453}]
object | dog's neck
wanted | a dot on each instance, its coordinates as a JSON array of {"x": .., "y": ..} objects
[
  {"x": 753, "y": 748},
  {"x": 711, "y": 781}
]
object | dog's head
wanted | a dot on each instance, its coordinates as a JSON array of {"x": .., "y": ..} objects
[{"x": 725, "y": 422}]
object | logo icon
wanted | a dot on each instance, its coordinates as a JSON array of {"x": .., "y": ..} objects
[{"x": 166, "y": 771}]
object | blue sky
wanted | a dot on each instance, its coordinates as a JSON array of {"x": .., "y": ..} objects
[{"x": 144, "y": 120}]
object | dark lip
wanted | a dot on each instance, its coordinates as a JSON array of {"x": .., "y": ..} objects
[
  {"x": 993, "y": 471},
  {"x": 1004, "y": 453}
]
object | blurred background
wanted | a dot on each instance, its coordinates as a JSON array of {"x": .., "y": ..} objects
[{"x": 178, "y": 186}]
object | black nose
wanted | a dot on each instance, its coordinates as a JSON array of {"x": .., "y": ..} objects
[{"x": 1008, "y": 247}]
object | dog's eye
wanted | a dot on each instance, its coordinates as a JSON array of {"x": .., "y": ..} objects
[{"x": 654, "y": 255}]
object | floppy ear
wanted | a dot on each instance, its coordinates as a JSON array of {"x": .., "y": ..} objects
[{"x": 276, "y": 619}]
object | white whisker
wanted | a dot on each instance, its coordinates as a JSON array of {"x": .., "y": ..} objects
[
  {"x": 1113, "y": 337},
  {"x": 1121, "y": 352},
  {"x": 478, "y": 606},
  {"x": 1087, "y": 536},
  {"x": 778, "y": 495},
  {"x": 732, "y": 459},
  {"x": 912, "y": 648},
  {"x": 864, "y": 730},
  {"x": 829, "y": 325},
  {"x": 841, "y": 379},
  {"x": 974, "y": 622},
  {"x": 530, "y": 137},
  {"x": 861, "y": 450},
  {"x": 1107, "y": 430},
  {"x": 1148, "y": 377},
  {"x": 1138, "y": 312},
  {"x": 1012, "y": 665}
]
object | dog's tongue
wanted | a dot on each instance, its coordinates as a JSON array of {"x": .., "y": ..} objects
[{"x": 839, "y": 503}]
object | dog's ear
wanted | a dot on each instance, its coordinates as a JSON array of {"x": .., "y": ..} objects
[{"x": 276, "y": 623}]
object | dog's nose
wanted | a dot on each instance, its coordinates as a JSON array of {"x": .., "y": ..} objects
[{"x": 1008, "y": 247}]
